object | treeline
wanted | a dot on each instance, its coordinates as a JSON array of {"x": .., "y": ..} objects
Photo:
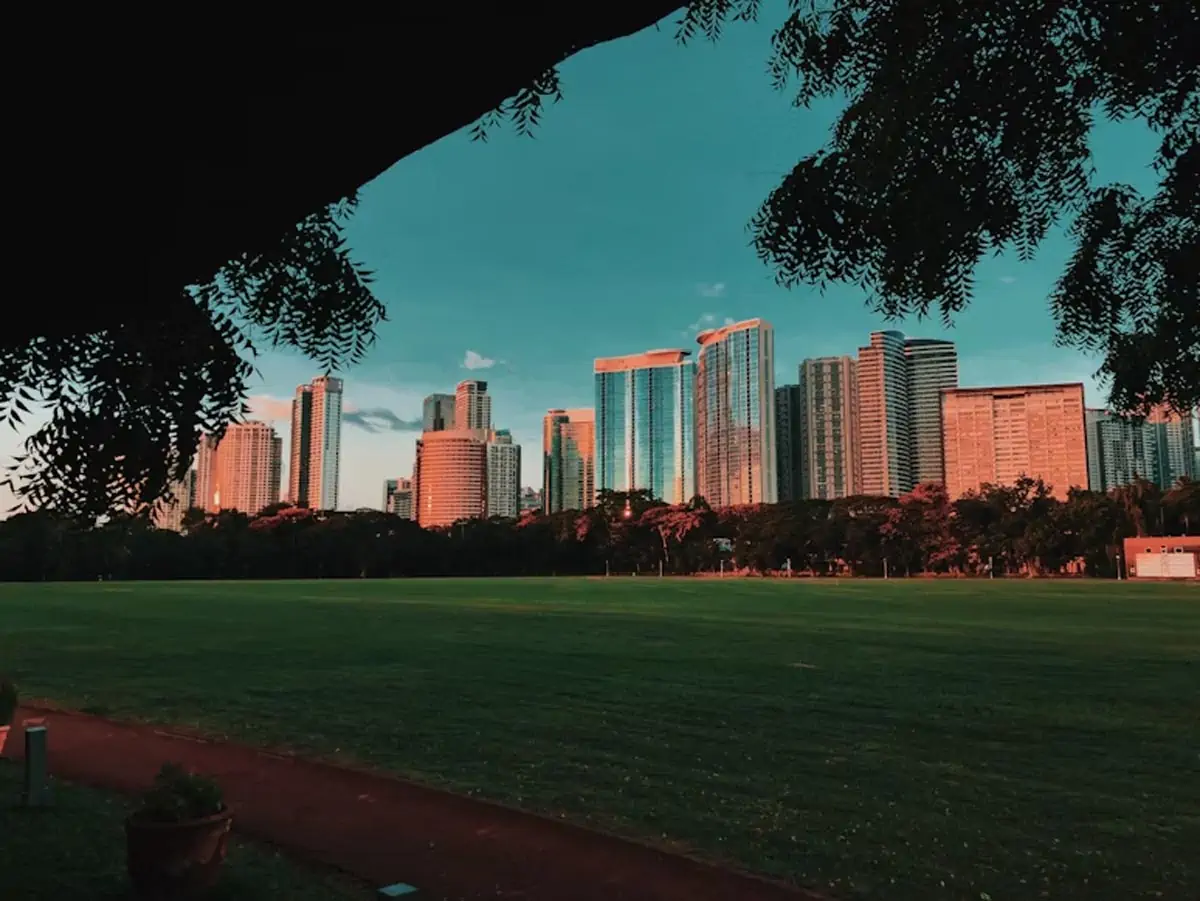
[{"x": 1008, "y": 530}]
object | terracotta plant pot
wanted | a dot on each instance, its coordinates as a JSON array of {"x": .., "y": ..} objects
[{"x": 176, "y": 860}]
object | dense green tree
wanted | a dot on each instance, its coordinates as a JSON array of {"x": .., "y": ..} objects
[{"x": 1017, "y": 529}]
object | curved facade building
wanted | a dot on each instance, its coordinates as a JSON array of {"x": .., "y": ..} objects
[
  {"x": 735, "y": 414},
  {"x": 450, "y": 477},
  {"x": 885, "y": 416},
  {"x": 644, "y": 424}
]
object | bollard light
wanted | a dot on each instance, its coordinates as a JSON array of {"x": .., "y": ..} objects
[{"x": 37, "y": 787}]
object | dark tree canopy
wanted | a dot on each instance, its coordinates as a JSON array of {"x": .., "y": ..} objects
[{"x": 965, "y": 133}]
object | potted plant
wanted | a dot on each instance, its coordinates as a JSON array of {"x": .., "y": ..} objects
[
  {"x": 176, "y": 840},
  {"x": 8, "y": 710}
]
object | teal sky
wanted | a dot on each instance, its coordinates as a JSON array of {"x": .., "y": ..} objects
[{"x": 618, "y": 228}]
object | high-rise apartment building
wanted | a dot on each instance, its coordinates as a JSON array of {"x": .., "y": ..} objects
[
  {"x": 644, "y": 424},
  {"x": 1119, "y": 450},
  {"x": 829, "y": 462},
  {"x": 472, "y": 406},
  {"x": 997, "y": 435},
  {"x": 316, "y": 444},
  {"x": 398, "y": 497},
  {"x": 735, "y": 414},
  {"x": 884, "y": 416},
  {"x": 568, "y": 460},
  {"x": 531, "y": 500},
  {"x": 932, "y": 367},
  {"x": 900, "y": 381},
  {"x": 183, "y": 498},
  {"x": 1176, "y": 445},
  {"x": 244, "y": 469},
  {"x": 503, "y": 475},
  {"x": 438, "y": 413},
  {"x": 450, "y": 476},
  {"x": 789, "y": 442},
  {"x": 202, "y": 496},
  {"x": 1160, "y": 448}
]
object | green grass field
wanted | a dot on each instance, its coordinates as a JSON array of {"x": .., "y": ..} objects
[{"x": 898, "y": 740}]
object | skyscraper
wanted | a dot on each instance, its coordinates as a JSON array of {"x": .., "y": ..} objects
[
  {"x": 829, "y": 462},
  {"x": 1176, "y": 446},
  {"x": 789, "y": 442},
  {"x": 644, "y": 424},
  {"x": 202, "y": 496},
  {"x": 398, "y": 497},
  {"x": 183, "y": 498},
  {"x": 450, "y": 476},
  {"x": 884, "y": 416},
  {"x": 932, "y": 366},
  {"x": 503, "y": 475},
  {"x": 997, "y": 435},
  {"x": 568, "y": 460},
  {"x": 438, "y": 413},
  {"x": 1119, "y": 450},
  {"x": 316, "y": 444},
  {"x": 472, "y": 406},
  {"x": 735, "y": 414},
  {"x": 246, "y": 468}
]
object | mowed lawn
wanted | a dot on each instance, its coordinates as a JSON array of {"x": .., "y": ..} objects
[{"x": 893, "y": 740}]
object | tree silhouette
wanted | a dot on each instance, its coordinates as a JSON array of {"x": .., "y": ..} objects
[{"x": 965, "y": 132}]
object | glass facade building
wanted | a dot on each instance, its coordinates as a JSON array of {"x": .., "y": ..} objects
[
  {"x": 645, "y": 424},
  {"x": 735, "y": 414},
  {"x": 568, "y": 460},
  {"x": 932, "y": 367}
]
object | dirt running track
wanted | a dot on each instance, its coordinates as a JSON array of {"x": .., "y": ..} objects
[{"x": 384, "y": 830}]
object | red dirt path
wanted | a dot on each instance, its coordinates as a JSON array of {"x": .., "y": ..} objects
[{"x": 385, "y": 830}]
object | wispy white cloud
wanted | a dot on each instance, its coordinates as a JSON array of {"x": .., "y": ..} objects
[
  {"x": 475, "y": 360},
  {"x": 711, "y": 289},
  {"x": 1007, "y": 279}
]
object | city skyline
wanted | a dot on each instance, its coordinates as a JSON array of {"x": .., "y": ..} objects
[{"x": 485, "y": 271}]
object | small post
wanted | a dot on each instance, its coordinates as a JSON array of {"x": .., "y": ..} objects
[
  {"x": 606, "y": 572},
  {"x": 660, "y": 569},
  {"x": 991, "y": 567},
  {"x": 722, "y": 569},
  {"x": 37, "y": 788},
  {"x": 885, "y": 568},
  {"x": 1119, "y": 566}
]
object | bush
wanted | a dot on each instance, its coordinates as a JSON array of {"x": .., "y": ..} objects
[{"x": 178, "y": 796}]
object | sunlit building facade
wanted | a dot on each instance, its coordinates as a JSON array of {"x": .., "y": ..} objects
[
  {"x": 828, "y": 405},
  {"x": 645, "y": 424},
  {"x": 472, "y": 406},
  {"x": 246, "y": 468},
  {"x": 997, "y": 435},
  {"x": 735, "y": 414},
  {"x": 451, "y": 473},
  {"x": 568, "y": 460},
  {"x": 316, "y": 444},
  {"x": 884, "y": 416}
]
